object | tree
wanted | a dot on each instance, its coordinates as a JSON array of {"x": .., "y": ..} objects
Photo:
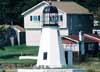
[
  {"x": 10, "y": 10},
  {"x": 3, "y": 35}
]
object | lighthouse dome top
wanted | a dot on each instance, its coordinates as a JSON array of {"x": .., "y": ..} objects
[
  {"x": 50, "y": 9},
  {"x": 50, "y": 16}
]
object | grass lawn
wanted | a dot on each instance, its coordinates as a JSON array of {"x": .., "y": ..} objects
[
  {"x": 10, "y": 55},
  {"x": 17, "y": 61},
  {"x": 91, "y": 65}
]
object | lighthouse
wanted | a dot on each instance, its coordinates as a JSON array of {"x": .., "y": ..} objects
[{"x": 51, "y": 54}]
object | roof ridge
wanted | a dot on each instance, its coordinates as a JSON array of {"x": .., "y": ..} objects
[
  {"x": 87, "y": 35},
  {"x": 19, "y": 27},
  {"x": 71, "y": 39},
  {"x": 63, "y": 6}
]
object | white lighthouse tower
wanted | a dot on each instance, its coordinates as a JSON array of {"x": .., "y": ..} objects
[{"x": 51, "y": 54}]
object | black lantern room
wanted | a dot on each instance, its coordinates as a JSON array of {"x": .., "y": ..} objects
[{"x": 50, "y": 16}]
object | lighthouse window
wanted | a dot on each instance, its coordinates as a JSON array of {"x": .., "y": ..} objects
[
  {"x": 53, "y": 19},
  {"x": 45, "y": 56}
]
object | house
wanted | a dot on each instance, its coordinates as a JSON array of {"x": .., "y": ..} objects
[
  {"x": 20, "y": 34},
  {"x": 96, "y": 23},
  {"x": 15, "y": 34},
  {"x": 72, "y": 18},
  {"x": 96, "y": 29},
  {"x": 91, "y": 45}
]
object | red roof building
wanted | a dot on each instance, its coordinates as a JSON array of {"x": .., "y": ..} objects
[{"x": 89, "y": 41}]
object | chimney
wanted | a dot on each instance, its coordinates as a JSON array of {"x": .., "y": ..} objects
[{"x": 81, "y": 37}]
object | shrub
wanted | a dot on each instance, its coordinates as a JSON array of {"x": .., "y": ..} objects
[
  {"x": 90, "y": 70},
  {"x": 98, "y": 55}
]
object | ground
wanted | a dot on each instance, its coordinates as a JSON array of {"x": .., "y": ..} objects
[
  {"x": 9, "y": 59},
  {"x": 92, "y": 64}
]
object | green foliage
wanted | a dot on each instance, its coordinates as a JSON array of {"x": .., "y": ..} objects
[
  {"x": 3, "y": 35},
  {"x": 18, "y": 50},
  {"x": 90, "y": 70},
  {"x": 10, "y": 10},
  {"x": 92, "y": 5},
  {"x": 98, "y": 55},
  {"x": 17, "y": 61},
  {"x": 11, "y": 55},
  {"x": 3, "y": 28}
]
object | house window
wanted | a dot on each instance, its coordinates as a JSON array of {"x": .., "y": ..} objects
[
  {"x": 34, "y": 18},
  {"x": 65, "y": 46},
  {"x": 38, "y": 18},
  {"x": 45, "y": 56},
  {"x": 60, "y": 18},
  {"x": 58, "y": 33},
  {"x": 30, "y": 18},
  {"x": 91, "y": 46}
]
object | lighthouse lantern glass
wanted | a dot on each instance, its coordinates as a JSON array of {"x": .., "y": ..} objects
[{"x": 50, "y": 18}]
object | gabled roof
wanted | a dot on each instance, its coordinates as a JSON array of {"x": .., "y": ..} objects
[
  {"x": 87, "y": 38},
  {"x": 71, "y": 38},
  {"x": 34, "y": 7},
  {"x": 16, "y": 27},
  {"x": 68, "y": 7},
  {"x": 67, "y": 40},
  {"x": 93, "y": 37}
]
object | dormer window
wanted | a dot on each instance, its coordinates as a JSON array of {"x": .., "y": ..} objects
[{"x": 34, "y": 18}]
